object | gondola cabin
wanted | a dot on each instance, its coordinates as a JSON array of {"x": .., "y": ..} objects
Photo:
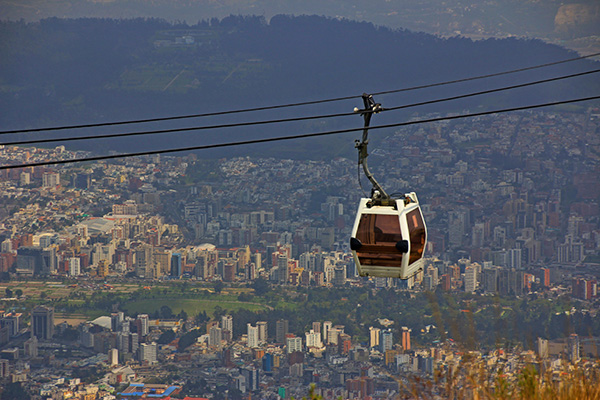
[{"x": 389, "y": 240}]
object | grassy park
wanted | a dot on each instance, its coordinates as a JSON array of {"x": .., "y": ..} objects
[
  {"x": 190, "y": 306},
  {"x": 79, "y": 301}
]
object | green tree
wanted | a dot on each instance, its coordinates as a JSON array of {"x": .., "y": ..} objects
[
  {"x": 182, "y": 315},
  {"x": 219, "y": 311},
  {"x": 9, "y": 292},
  {"x": 188, "y": 339},
  {"x": 219, "y": 285},
  {"x": 202, "y": 317},
  {"x": 166, "y": 337},
  {"x": 14, "y": 391},
  {"x": 166, "y": 312},
  {"x": 261, "y": 286}
]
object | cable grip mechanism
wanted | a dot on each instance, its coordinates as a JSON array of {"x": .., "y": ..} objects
[{"x": 378, "y": 195}]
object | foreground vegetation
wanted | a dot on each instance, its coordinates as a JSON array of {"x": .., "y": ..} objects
[{"x": 475, "y": 380}]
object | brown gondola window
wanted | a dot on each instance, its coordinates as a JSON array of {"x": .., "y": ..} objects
[
  {"x": 416, "y": 229},
  {"x": 379, "y": 234}
]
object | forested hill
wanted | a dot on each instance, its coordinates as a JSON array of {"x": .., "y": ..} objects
[{"x": 75, "y": 71}]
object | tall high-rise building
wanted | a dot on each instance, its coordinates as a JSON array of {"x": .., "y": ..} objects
[
  {"x": 12, "y": 321},
  {"x": 31, "y": 347},
  {"x": 313, "y": 339},
  {"x": 252, "y": 377},
  {"x": 470, "y": 279},
  {"x": 134, "y": 342},
  {"x": 339, "y": 275},
  {"x": 514, "y": 258},
  {"x": 143, "y": 324},
  {"x": 433, "y": 272},
  {"x": 293, "y": 344},
  {"x": 284, "y": 272},
  {"x": 374, "y": 336},
  {"x": 333, "y": 335},
  {"x": 573, "y": 347},
  {"x": 50, "y": 179},
  {"x": 326, "y": 327},
  {"x": 386, "y": 340},
  {"x": 252, "y": 336},
  {"x": 35, "y": 260},
  {"x": 546, "y": 277},
  {"x": 457, "y": 225},
  {"x": 262, "y": 331},
  {"x": 215, "y": 337},
  {"x": 162, "y": 262},
  {"x": 42, "y": 322},
  {"x": 4, "y": 368},
  {"x": 74, "y": 266},
  {"x": 176, "y": 265},
  {"x": 542, "y": 345},
  {"x": 227, "y": 324},
  {"x": 316, "y": 326},
  {"x": 427, "y": 282},
  {"x": 478, "y": 235},
  {"x": 446, "y": 282},
  {"x": 113, "y": 357},
  {"x": 25, "y": 178},
  {"x": 490, "y": 279},
  {"x": 148, "y": 353},
  {"x": 116, "y": 321},
  {"x": 143, "y": 260},
  {"x": 281, "y": 329},
  {"x": 405, "y": 338}
]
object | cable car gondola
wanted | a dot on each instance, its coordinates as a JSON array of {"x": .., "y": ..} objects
[{"x": 389, "y": 234}]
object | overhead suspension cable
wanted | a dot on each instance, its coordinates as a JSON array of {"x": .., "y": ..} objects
[
  {"x": 485, "y": 76},
  {"x": 264, "y": 108},
  {"x": 240, "y": 124},
  {"x": 462, "y": 96},
  {"x": 299, "y": 136}
]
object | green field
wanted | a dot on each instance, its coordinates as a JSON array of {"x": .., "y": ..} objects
[{"x": 190, "y": 306}]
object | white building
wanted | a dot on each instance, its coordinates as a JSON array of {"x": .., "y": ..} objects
[
  {"x": 471, "y": 282},
  {"x": 252, "y": 336},
  {"x": 313, "y": 339},
  {"x": 514, "y": 258},
  {"x": 74, "y": 266},
  {"x": 293, "y": 344},
  {"x": 215, "y": 335},
  {"x": 25, "y": 178},
  {"x": 113, "y": 357},
  {"x": 148, "y": 352},
  {"x": 50, "y": 179}
]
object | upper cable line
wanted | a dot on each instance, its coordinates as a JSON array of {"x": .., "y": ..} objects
[
  {"x": 485, "y": 76},
  {"x": 296, "y": 119},
  {"x": 297, "y": 104},
  {"x": 291, "y": 137}
]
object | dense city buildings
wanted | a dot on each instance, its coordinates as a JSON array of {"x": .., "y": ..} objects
[{"x": 511, "y": 205}]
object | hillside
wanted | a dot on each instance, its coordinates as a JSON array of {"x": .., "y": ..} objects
[{"x": 69, "y": 71}]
